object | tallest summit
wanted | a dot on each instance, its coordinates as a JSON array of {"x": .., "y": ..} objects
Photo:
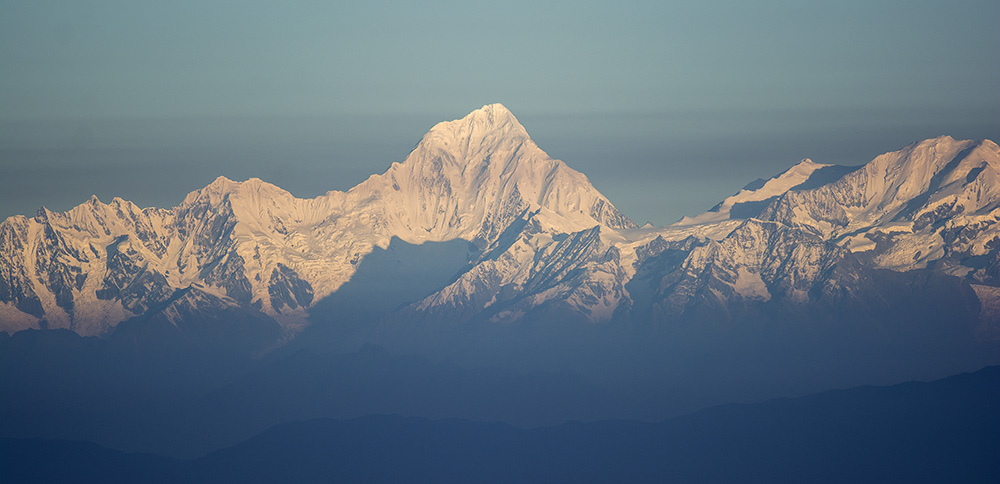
[
  {"x": 471, "y": 177},
  {"x": 495, "y": 116},
  {"x": 486, "y": 129},
  {"x": 492, "y": 117}
]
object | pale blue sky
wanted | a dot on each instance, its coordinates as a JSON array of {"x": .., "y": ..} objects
[{"x": 667, "y": 106}]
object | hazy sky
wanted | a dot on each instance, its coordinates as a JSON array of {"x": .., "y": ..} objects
[{"x": 667, "y": 106}]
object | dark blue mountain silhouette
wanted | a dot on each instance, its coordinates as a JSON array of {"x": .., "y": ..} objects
[{"x": 943, "y": 431}]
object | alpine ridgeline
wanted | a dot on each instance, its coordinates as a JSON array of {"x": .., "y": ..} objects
[
  {"x": 253, "y": 247},
  {"x": 479, "y": 228}
]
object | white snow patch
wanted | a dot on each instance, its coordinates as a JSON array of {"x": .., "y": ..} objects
[
  {"x": 858, "y": 243},
  {"x": 749, "y": 285}
]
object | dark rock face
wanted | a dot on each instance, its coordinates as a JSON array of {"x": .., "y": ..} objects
[
  {"x": 139, "y": 223},
  {"x": 128, "y": 280},
  {"x": 57, "y": 266},
  {"x": 287, "y": 289},
  {"x": 230, "y": 274},
  {"x": 15, "y": 285}
]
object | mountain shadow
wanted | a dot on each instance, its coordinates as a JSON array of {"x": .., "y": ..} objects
[
  {"x": 385, "y": 279},
  {"x": 825, "y": 175}
]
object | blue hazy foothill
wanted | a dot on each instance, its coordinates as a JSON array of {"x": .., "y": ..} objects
[{"x": 945, "y": 430}]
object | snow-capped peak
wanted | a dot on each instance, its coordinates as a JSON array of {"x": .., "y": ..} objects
[
  {"x": 213, "y": 193},
  {"x": 250, "y": 194},
  {"x": 483, "y": 130},
  {"x": 470, "y": 177},
  {"x": 495, "y": 115}
]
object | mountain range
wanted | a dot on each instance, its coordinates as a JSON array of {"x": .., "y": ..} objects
[{"x": 478, "y": 225}]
